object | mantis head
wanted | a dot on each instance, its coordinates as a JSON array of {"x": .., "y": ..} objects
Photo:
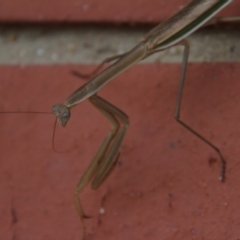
[{"x": 62, "y": 112}]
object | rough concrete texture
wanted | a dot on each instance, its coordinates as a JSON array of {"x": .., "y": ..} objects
[
  {"x": 165, "y": 185},
  {"x": 89, "y": 44},
  {"x": 108, "y": 11}
]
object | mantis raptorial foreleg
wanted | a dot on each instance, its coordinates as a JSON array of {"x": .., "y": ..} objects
[
  {"x": 112, "y": 153},
  {"x": 105, "y": 159}
]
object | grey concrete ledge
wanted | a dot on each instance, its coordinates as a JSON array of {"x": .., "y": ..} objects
[{"x": 66, "y": 45}]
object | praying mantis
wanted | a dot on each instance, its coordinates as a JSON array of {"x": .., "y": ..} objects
[
  {"x": 170, "y": 33},
  {"x": 96, "y": 173}
]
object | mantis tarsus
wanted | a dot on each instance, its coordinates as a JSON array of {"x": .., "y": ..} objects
[{"x": 171, "y": 32}]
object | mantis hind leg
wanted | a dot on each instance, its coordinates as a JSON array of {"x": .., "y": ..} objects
[{"x": 178, "y": 108}]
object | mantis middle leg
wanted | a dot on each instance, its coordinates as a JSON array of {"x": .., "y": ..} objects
[{"x": 178, "y": 108}]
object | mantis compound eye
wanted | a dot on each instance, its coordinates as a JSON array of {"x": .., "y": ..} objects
[{"x": 66, "y": 115}]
